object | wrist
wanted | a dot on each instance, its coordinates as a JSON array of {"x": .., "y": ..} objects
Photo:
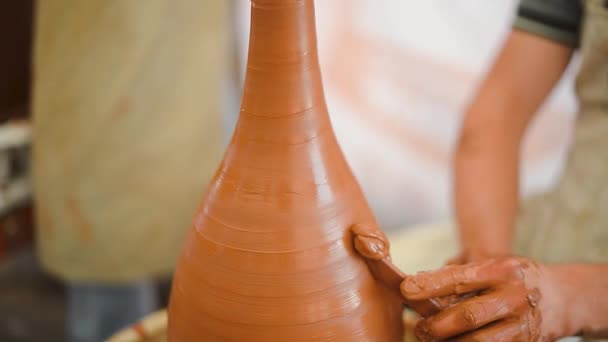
[
  {"x": 485, "y": 251},
  {"x": 478, "y": 244},
  {"x": 583, "y": 287},
  {"x": 571, "y": 315}
]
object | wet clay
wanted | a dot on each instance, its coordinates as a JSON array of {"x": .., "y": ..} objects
[
  {"x": 371, "y": 243},
  {"x": 508, "y": 305},
  {"x": 271, "y": 256}
]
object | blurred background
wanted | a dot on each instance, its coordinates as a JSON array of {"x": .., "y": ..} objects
[{"x": 397, "y": 75}]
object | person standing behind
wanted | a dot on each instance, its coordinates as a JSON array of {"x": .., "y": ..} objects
[
  {"x": 127, "y": 133},
  {"x": 559, "y": 286}
]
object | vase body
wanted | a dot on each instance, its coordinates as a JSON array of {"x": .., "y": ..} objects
[{"x": 270, "y": 256}]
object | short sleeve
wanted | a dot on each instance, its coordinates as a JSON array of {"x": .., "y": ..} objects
[{"x": 558, "y": 20}]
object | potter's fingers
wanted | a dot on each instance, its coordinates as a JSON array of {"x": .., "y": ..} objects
[
  {"x": 447, "y": 301},
  {"x": 370, "y": 241},
  {"x": 439, "y": 303},
  {"x": 456, "y": 279},
  {"x": 498, "y": 332},
  {"x": 473, "y": 314}
]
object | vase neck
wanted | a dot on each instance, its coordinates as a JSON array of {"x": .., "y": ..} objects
[{"x": 283, "y": 76}]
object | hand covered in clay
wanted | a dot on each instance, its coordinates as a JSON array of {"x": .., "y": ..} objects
[{"x": 516, "y": 300}]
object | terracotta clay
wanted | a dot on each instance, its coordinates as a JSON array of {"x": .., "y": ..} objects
[
  {"x": 371, "y": 243},
  {"x": 271, "y": 256}
]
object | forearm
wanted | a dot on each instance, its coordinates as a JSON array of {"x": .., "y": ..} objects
[
  {"x": 486, "y": 191},
  {"x": 584, "y": 288},
  {"x": 486, "y": 163}
]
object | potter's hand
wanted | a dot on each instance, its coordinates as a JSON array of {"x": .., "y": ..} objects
[
  {"x": 474, "y": 256},
  {"x": 370, "y": 241},
  {"x": 518, "y": 300}
]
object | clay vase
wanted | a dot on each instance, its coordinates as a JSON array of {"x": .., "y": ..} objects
[{"x": 270, "y": 256}]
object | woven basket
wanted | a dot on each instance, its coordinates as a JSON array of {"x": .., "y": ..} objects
[{"x": 154, "y": 329}]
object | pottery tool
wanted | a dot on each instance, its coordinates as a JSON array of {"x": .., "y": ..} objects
[{"x": 385, "y": 271}]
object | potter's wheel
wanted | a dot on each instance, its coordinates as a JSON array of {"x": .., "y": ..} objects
[{"x": 154, "y": 329}]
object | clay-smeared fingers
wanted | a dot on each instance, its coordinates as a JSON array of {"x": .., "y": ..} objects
[
  {"x": 457, "y": 279},
  {"x": 472, "y": 314},
  {"x": 512, "y": 330},
  {"x": 442, "y": 303}
]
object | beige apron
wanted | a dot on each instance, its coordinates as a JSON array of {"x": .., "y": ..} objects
[
  {"x": 570, "y": 223},
  {"x": 127, "y": 131}
]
